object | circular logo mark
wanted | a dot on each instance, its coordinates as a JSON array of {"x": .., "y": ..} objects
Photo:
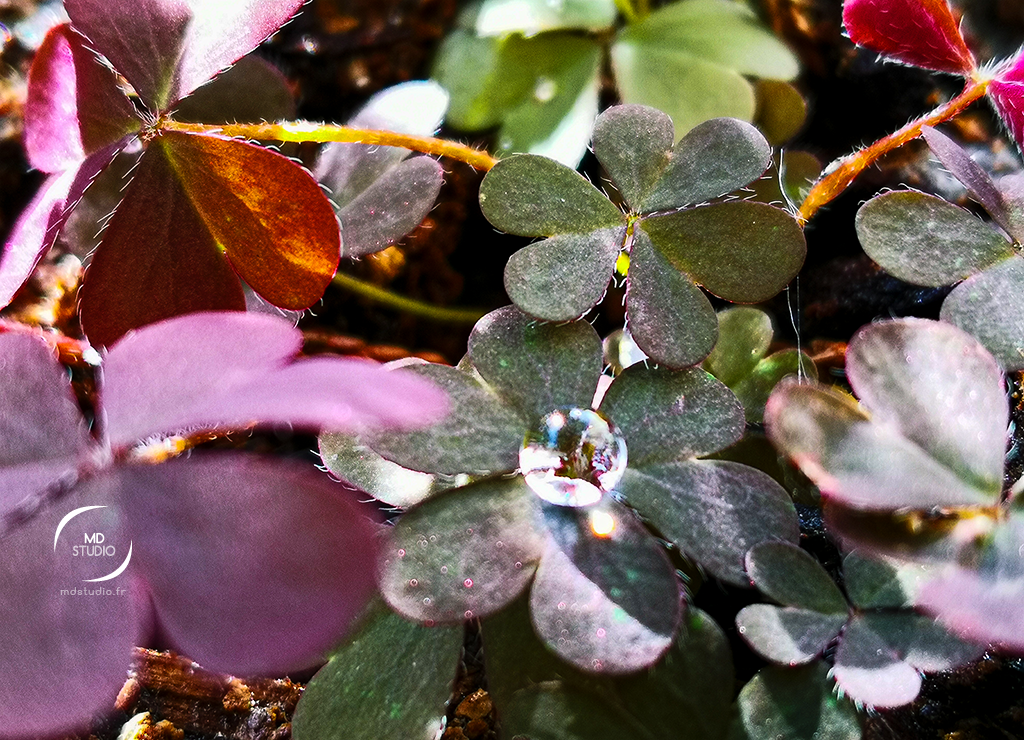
[{"x": 94, "y": 545}]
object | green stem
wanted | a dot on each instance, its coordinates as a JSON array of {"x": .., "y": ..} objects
[
  {"x": 409, "y": 305},
  {"x": 305, "y": 131}
]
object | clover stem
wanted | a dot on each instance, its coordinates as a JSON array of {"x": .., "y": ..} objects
[
  {"x": 305, "y": 131},
  {"x": 409, "y": 305},
  {"x": 843, "y": 171}
]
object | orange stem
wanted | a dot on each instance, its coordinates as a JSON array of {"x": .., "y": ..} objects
[
  {"x": 843, "y": 171},
  {"x": 302, "y": 131}
]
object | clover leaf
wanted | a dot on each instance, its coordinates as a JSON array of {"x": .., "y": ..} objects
[
  {"x": 686, "y": 694},
  {"x": 381, "y": 193},
  {"x": 603, "y": 596},
  {"x": 526, "y": 68},
  {"x": 226, "y": 552},
  {"x": 206, "y": 210},
  {"x": 926, "y": 33},
  {"x": 738, "y": 250},
  {"x": 880, "y": 653},
  {"x": 928, "y": 241},
  {"x": 795, "y": 703},
  {"x": 929, "y": 437},
  {"x": 740, "y": 359}
]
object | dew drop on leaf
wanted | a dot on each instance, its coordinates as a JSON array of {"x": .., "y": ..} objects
[
  {"x": 573, "y": 457},
  {"x": 545, "y": 90},
  {"x": 468, "y": 583}
]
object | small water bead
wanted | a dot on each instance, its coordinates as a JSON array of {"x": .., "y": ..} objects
[
  {"x": 444, "y": 570},
  {"x": 413, "y": 583},
  {"x": 573, "y": 457},
  {"x": 468, "y": 583}
]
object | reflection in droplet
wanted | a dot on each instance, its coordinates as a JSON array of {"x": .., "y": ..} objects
[
  {"x": 426, "y": 601},
  {"x": 573, "y": 457},
  {"x": 468, "y": 583},
  {"x": 545, "y": 90},
  {"x": 602, "y": 524}
]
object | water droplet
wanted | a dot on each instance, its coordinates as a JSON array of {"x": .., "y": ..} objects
[
  {"x": 426, "y": 601},
  {"x": 572, "y": 457},
  {"x": 520, "y": 565},
  {"x": 598, "y": 665},
  {"x": 429, "y": 623},
  {"x": 413, "y": 583},
  {"x": 601, "y": 632},
  {"x": 468, "y": 614},
  {"x": 401, "y": 553},
  {"x": 561, "y": 605},
  {"x": 309, "y": 44},
  {"x": 742, "y": 629},
  {"x": 499, "y": 544},
  {"x": 469, "y": 531},
  {"x": 468, "y": 583},
  {"x": 545, "y": 90},
  {"x": 444, "y": 570},
  {"x": 433, "y": 538}
]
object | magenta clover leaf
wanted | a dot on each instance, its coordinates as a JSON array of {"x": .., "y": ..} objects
[
  {"x": 247, "y": 564},
  {"x": 925, "y": 33},
  {"x": 738, "y": 250},
  {"x": 201, "y": 211},
  {"x": 603, "y": 595},
  {"x": 914, "y": 473}
]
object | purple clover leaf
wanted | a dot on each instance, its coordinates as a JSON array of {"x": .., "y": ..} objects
[
  {"x": 686, "y": 695},
  {"x": 927, "y": 241},
  {"x": 381, "y": 193},
  {"x": 470, "y": 550},
  {"x": 249, "y": 565},
  {"x": 738, "y": 250},
  {"x": 881, "y": 651},
  {"x": 929, "y": 436},
  {"x": 207, "y": 210}
]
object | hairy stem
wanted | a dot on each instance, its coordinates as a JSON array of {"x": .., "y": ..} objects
[
  {"x": 843, "y": 171},
  {"x": 409, "y": 305},
  {"x": 302, "y": 131}
]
